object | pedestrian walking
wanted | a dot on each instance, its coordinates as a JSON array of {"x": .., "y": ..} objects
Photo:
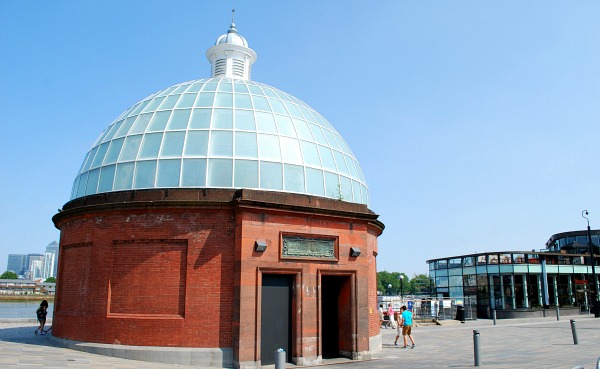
[
  {"x": 41, "y": 313},
  {"x": 398, "y": 318},
  {"x": 407, "y": 322},
  {"x": 391, "y": 315}
]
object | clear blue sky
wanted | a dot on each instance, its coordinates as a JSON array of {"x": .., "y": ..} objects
[{"x": 476, "y": 123}]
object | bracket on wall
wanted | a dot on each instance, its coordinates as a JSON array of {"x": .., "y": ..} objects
[
  {"x": 260, "y": 245},
  {"x": 354, "y": 252}
]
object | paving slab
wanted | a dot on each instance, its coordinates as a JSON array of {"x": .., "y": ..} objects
[{"x": 511, "y": 343}]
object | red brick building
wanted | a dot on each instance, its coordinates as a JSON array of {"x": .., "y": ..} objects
[{"x": 213, "y": 232}]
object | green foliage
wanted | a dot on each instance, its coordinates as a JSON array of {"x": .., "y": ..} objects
[
  {"x": 51, "y": 280},
  {"x": 419, "y": 284},
  {"x": 386, "y": 278},
  {"x": 9, "y": 275}
]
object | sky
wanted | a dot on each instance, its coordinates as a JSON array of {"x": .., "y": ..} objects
[{"x": 476, "y": 123}]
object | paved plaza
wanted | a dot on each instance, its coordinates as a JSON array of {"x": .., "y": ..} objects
[{"x": 516, "y": 343}]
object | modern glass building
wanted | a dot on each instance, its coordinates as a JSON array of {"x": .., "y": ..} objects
[
  {"x": 559, "y": 275},
  {"x": 223, "y": 132}
]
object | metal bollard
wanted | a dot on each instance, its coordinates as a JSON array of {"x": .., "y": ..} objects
[
  {"x": 574, "y": 332},
  {"x": 494, "y": 316},
  {"x": 476, "y": 347},
  {"x": 280, "y": 359},
  {"x": 557, "y": 313}
]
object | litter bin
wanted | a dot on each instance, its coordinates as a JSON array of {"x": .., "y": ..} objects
[
  {"x": 596, "y": 306},
  {"x": 460, "y": 313}
]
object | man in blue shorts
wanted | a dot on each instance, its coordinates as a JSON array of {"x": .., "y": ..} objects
[{"x": 407, "y": 322}]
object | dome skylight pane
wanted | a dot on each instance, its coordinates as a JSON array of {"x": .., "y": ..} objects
[
  {"x": 222, "y": 119},
  {"x": 107, "y": 176},
  {"x": 220, "y": 172},
  {"x": 141, "y": 123},
  {"x": 277, "y": 106},
  {"x": 168, "y": 173},
  {"x": 285, "y": 126},
  {"x": 246, "y": 174},
  {"x": 294, "y": 178},
  {"x": 265, "y": 122},
  {"x": 145, "y": 174},
  {"x": 179, "y": 120},
  {"x": 193, "y": 173},
  {"x": 187, "y": 101},
  {"x": 243, "y": 101},
  {"x": 124, "y": 177},
  {"x": 130, "y": 150},
  {"x": 244, "y": 120},
  {"x": 200, "y": 119},
  {"x": 196, "y": 144},
  {"x": 205, "y": 99},
  {"x": 221, "y": 143},
  {"x": 260, "y": 103},
  {"x": 315, "y": 182},
  {"x": 271, "y": 176}
]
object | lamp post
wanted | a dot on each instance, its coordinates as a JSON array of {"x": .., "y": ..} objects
[
  {"x": 593, "y": 261},
  {"x": 389, "y": 289},
  {"x": 401, "y": 277}
]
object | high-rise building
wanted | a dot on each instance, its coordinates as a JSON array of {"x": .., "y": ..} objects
[
  {"x": 17, "y": 263},
  {"x": 35, "y": 269},
  {"x": 51, "y": 260}
]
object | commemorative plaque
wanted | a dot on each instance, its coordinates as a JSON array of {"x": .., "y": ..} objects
[{"x": 305, "y": 247}]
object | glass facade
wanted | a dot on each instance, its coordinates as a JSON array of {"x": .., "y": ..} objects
[
  {"x": 222, "y": 133},
  {"x": 513, "y": 280}
]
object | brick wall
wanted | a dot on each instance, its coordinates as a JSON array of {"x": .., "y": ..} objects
[{"x": 143, "y": 269}]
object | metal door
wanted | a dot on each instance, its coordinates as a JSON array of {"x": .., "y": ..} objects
[{"x": 276, "y": 317}]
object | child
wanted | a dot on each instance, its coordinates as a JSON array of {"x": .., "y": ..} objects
[{"x": 41, "y": 316}]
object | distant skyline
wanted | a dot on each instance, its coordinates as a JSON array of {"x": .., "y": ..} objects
[{"x": 475, "y": 123}]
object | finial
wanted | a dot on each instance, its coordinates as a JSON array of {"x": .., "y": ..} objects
[{"x": 232, "y": 28}]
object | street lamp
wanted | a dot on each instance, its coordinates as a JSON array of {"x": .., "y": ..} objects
[
  {"x": 389, "y": 289},
  {"x": 593, "y": 261},
  {"x": 401, "y": 280}
]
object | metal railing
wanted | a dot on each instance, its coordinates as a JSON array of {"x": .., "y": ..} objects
[{"x": 432, "y": 308}]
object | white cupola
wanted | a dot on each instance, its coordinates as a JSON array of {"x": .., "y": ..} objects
[{"x": 230, "y": 56}]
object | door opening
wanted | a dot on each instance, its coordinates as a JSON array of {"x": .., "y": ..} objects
[{"x": 336, "y": 309}]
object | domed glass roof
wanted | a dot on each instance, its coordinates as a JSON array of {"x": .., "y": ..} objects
[{"x": 222, "y": 133}]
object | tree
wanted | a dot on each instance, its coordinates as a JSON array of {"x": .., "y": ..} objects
[
  {"x": 51, "y": 280},
  {"x": 385, "y": 278},
  {"x": 419, "y": 284},
  {"x": 9, "y": 275}
]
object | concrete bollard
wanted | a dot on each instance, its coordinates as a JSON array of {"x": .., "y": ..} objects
[
  {"x": 557, "y": 313},
  {"x": 476, "y": 347},
  {"x": 574, "y": 332},
  {"x": 280, "y": 359},
  {"x": 494, "y": 316}
]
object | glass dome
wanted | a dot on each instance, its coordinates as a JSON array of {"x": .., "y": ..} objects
[{"x": 222, "y": 133}]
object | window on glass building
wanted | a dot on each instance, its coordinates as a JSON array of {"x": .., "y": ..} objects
[
  {"x": 533, "y": 258},
  {"x": 505, "y": 259},
  {"x": 454, "y": 263}
]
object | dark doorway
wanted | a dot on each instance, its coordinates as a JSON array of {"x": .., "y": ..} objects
[
  {"x": 336, "y": 322},
  {"x": 276, "y": 317}
]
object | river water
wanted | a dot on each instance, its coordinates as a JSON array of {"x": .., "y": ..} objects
[{"x": 22, "y": 309}]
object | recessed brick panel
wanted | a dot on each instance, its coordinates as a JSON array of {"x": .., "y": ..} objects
[{"x": 136, "y": 267}]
